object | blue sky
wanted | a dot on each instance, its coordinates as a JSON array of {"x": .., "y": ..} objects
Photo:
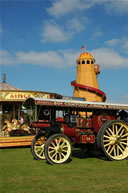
[{"x": 40, "y": 41}]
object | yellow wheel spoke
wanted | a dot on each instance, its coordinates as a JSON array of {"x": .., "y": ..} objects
[
  {"x": 123, "y": 143},
  {"x": 122, "y": 132},
  {"x": 38, "y": 142},
  {"x": 51, "y": 147},
  {"x": 56, "y": 157},
  {"x": 105, "y": 136},
  {"x": 66, "y": 146},
  {"x": 113, "y": 129},
  {"x": 62, "y": 154},
  {"x": 120, "y": 129},
  {"x": 125, "y": 139},
  {"x": 53, "y": 155},
  {"x": 38, "y": 151},
  {"x": 62, "y": 144},
  {"x": 125, "y": 135},
  {"x": 106, "y": 140},
  {"x": 108, "y": 149},
  {"x": 111, "y": 150},
  {"x": 53, "y": 144},
  {"x": 122, "y": 146},
  {"x": 108, "y": 133},
  {"x": 38, "y": 148},
  {"x": 107, "y": 144},
  {"x": 60, "y": 140},
  {"x": 114, "y": 150},
  {"x": 52, "y": 151},
  {"x": 56, "y": 140},
  {"x": 116, "y": 129},
  {"x": 64, "y": 150},
  {"x": 41, "y": 152},
  {"x": 117, "y": 150}
]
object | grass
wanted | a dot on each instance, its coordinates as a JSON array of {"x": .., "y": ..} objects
[{"x": 20, "y": 173}]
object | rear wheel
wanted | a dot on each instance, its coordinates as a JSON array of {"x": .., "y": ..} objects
[
  {"x": 37, "y": 147},
  {"x": 58, "y": 149},
  {"x": 112, "y": 138}
]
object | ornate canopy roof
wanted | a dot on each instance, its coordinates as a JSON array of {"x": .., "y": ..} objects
[
  {"x": 11, "y": 93},
  {"x": 5, "y": 86}
]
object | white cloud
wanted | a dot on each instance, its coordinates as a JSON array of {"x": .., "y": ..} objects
[
  {"x": 113, "y": 42},
  {"x": 60, "y": 59},
  {"x": 49, "y": 58},
  {"x": 54, "y": 33},
  {"x": 63, "y": 7},
  {"x": 76, "y": 24},
  {"x": 69, "y": 57},
  {"x": 122, "y": 43},
  {"x": 125, "y": 45},
  {"x": 108, "y": 58},
  {"x": 6, "y": 58},
  {"x": 117, "y": 6}
]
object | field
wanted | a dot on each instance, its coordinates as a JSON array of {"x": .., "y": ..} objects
[{"x": 20, "y": 173}]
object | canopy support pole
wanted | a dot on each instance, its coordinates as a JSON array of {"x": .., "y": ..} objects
[{"x": 1, "y": 122}]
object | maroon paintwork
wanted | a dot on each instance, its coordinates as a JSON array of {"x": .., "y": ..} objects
[{"x": 80, "y": 129}]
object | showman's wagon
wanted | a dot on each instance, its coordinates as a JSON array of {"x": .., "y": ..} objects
[{"x": 60, "y": 124}]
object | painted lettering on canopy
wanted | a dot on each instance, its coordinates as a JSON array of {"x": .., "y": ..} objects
[{"x": 19, "y": 95}]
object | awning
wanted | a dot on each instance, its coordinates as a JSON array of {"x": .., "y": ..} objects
[{"x": 74, "y": 104}]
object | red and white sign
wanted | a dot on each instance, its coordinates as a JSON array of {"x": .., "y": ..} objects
[
  {"x": 88, "y": 138},
  {"x": 85, "y": 123}
]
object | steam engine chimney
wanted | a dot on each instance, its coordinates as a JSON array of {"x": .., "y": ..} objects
[{"x": 4, "y": 78}]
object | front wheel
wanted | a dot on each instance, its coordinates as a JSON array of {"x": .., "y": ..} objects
[
  {"x": 112, "y": 139},
  {"x": 37, "y": 147},
  {"x": 58, "y": 149}
]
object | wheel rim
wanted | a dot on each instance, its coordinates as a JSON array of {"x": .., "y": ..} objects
[
  {"x": 59, "y": 149},
  {"x": 115, "y": 140},
  {"x": 39, "y": 147}
]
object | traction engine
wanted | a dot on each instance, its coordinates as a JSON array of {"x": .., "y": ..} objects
[{"x": 63, "y": 124}]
